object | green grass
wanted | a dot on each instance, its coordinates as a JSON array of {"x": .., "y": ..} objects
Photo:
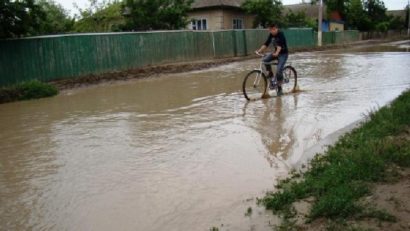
[
  {"x": 33, "y": 89},
  {"x": 340, "y": 177}
]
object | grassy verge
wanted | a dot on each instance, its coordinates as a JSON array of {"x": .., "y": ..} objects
[
  {"x": 33, "y": 89},
  {"x": 337, "y": 181}
]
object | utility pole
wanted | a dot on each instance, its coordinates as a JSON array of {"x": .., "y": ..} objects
[
  {"x": 320, "y": 19},
  {"x": 408, "y": 12}
]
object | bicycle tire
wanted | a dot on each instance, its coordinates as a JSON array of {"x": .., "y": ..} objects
[
  {"x": 254, "y": 85},
  {"x": 290, "y": 79}
]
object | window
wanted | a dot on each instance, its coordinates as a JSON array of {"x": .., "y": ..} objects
[
  {"x": 199, "y": 24},
  {"x": 237, "y": 23}
]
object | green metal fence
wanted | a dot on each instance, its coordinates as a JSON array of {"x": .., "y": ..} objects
[
  {"x": 347, "y": 36},
  {"x": 328, "y": 38},
  {"x": 69, "y": 56},
  {"x": 224, "y": 43},
  {"x": 300, "y": 38},
  {"x": 339, "y": 37},
  {"x": 254, "y": 39}
]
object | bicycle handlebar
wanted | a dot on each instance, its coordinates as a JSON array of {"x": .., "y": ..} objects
[{"x": 259, "y": 54}]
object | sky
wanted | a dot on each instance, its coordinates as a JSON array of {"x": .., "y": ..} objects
[{"x": 68, "y": 4}]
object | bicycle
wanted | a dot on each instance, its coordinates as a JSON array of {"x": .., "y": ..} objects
[{"x": 255, "y": 84}]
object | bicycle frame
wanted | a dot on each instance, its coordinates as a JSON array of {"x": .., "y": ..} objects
[
  {"x": 258, "y": 77},
  {"x": 260, "y": 69}
]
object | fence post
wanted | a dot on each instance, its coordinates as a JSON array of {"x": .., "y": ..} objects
[
  {"x": 245, "y": 43},
  {"x": 235, "y": 47},
  {"x": 213, "y": 43}
]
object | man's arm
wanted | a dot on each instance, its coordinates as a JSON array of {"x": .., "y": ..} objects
[
  {"x": 278, "y": 49},
  {"x": 262, "y": 49},
  {"x": 280, "y": 42}
]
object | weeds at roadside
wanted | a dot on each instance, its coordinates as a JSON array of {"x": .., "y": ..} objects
[
  {"x": 339, "y": 178},
  {"x": 287, "y": 225},
  {"x": 378, "y": 214},
  {"x": 33, "y": 89},
  {"x": 342, "y": 225}
]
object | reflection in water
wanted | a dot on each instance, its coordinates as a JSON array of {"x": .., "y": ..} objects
[{"x": 180, "y": 152}]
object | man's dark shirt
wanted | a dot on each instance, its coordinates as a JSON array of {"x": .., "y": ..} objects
[{"x": 278, "y": 40}]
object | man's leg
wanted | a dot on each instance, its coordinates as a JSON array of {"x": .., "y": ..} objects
[
  {"x": 267, "y": 59},
  {"x": 279, "y": 72},
  {"x": 281, "y": 65}
]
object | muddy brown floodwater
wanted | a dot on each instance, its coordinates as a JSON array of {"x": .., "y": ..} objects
[{"x": 182, "y": 151}]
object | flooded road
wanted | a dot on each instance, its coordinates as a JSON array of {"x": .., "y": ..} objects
[{"x": 179, "y": 152}]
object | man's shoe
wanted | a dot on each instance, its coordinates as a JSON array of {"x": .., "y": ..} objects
[
  {"x": 280, "y": 91},
  {"x": 272, "y": 84}
]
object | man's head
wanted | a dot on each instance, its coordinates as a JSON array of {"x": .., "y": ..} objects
[{"x": 273, "y": 29}]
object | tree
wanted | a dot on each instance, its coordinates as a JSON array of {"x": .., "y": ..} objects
[
  {"x": 20, "y": 18},
  {"x": 340, "y": 6},
  {"x": 265, "y": 11},
  {"x": 357, "y": 17},
  {"x": 396, "y": 23},
  {"x": 376, "y": 11},
  {"x": 57, "y": 19},
  {"x": 156, "y": 14},
  {"x": 367, "y": 15},
  {"x": 406, "y": 23},
  {"x": 100, "y": 17},
  {"x": 297, "y": 19}
]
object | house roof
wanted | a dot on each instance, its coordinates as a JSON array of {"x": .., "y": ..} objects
[
  {"x": 311, "y": 10},
  {"x": 399, "y": 13},
  {"x": 197, "y": 4}
]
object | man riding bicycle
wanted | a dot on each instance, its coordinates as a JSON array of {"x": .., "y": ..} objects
[{"x": 280, "y": 52}]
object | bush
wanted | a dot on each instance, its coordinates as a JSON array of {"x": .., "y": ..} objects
[{"x": 32, "y": 89}]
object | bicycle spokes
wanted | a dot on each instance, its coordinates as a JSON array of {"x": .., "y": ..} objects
[
  {"x": 286, "y": 76},
  {"x": 254, "y": 85},
  {"x": 289, "y": 79},
  {"x": 257, "y": 80}
]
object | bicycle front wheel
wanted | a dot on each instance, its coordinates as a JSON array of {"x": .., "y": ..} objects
[
  {"x": 254, "y": 85},
  {"x": 290, "y": 79}
]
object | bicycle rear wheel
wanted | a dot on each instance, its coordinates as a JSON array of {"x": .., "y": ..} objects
[
  {"x": 254, "y": 85},
  {"x": 290, "y": 79}
]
